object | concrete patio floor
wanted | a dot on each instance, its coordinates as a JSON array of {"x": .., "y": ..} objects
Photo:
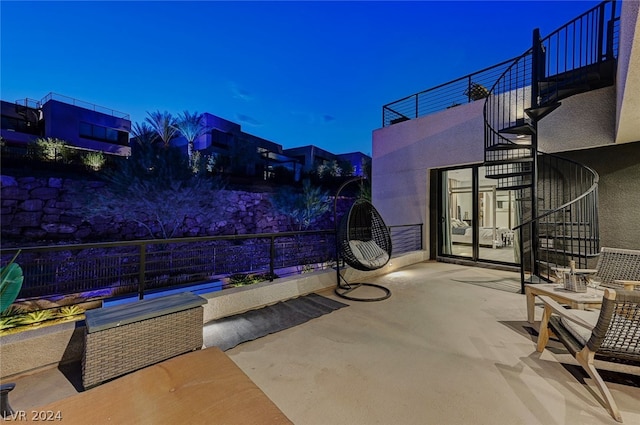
[{"x": 446, "y": 348}]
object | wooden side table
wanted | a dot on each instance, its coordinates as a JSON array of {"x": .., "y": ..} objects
[{"x": 579, "y": 300}]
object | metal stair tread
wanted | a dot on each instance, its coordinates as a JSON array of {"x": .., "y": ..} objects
[
  {"x": 569, "y": 252},
  {"x": 541, "y": 111},
  {"x": 525, "y": 129},
  {"x": 584, "y": 74},
  {"x": 565, "y": 223},
  {"x": 508, "y": 161},
  {"x": 508, "y": 146},
  {"x": 510, "y": 174},
  {"x": 514, "y": 187},
  {"x": 580, "y": 238}
]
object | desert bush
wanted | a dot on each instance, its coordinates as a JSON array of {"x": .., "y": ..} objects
[
  {"x": 52, "y": 149},
  {"x": 94, "y": 160},
  {"x": 303, "y": 208},
  {"x": 156, "y": 189}
]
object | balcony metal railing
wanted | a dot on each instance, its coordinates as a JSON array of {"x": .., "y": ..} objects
[
  {"x": 406, "y": 238},
  {"x": 140, "y": 266},
  {"x": 443, "y": 96},
  {"x": 85, "y": 105},
  {"x": 580, "y": 53},
  {"x": 28, "y": 103},
  {"x": 117, "y": 268},
  {"x": 571, "y": 39}
]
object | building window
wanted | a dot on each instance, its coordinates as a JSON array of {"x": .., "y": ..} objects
[
  {"x": 104, "y": 134},
  {"x": 220, "y": 139},
  {"x": 19, "y": 125}
]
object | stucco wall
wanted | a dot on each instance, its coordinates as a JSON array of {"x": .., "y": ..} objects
[
  {"x": 403, "y": 153},
  {"x": 583, "y": 121},
  {"x": 628, "y": 74},
  {"x": 618, "y": 193}
]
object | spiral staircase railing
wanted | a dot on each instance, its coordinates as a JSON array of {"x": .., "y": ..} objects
[{"x": 557, "y": 199}]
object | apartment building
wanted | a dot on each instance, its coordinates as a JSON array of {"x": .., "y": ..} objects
[
  {"x": 82, "y": 125},
  {"x": 88, "y": 127}
]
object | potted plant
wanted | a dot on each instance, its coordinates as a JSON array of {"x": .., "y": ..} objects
[
  {"x": 476, "y": 91},
  {"x": 11, "y": 278}
]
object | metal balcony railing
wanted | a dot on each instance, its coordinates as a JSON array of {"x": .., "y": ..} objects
[
  {"x": 462, "y": 90},
  {"x": 85, "y": 105},
  {"x": 116, "y": 268},
  {"x": 577, "y": 44}
]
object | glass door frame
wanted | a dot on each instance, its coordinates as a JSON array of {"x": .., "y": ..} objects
[{"x": 440, "y": 220}]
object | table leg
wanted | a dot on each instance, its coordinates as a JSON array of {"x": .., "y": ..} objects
[{"x": 531, "y": 303}]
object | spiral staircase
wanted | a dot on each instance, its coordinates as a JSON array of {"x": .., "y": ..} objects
[{"x": 557, "y": 199}]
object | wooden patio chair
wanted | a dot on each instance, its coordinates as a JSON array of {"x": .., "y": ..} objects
[
  {"x": 616, "y": 264},
  {"x": 615, "y": 335}
]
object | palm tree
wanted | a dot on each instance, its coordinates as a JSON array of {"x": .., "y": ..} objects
[
  {"x": 143, "y": 133},
  {"x": 191, "y": 127},
  {"x": 164, "y": 125}
]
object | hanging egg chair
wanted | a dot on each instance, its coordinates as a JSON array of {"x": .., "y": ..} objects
[
  {"x": 363, "y": 242},
  {"x": 365, "y": 239}
]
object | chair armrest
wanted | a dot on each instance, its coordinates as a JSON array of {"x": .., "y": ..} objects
[
  {"x": 563, "y": 312},
  {"x": 629, "y": 285}
]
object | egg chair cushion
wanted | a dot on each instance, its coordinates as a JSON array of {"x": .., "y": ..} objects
[{"x": 368, "y": 253}]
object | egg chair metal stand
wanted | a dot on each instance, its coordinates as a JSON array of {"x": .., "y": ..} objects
[{"x": 363, "y": 242}]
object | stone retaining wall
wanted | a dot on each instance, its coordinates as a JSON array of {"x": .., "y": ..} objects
[{"x": 37, "y": 210}]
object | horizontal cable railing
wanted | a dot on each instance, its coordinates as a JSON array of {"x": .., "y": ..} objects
[
  {"x": 101, "y": 270},
  {"x": 140, "y": 266},
  {"x": 462, "y": 90},
  {"x": 406, "y": 238}
]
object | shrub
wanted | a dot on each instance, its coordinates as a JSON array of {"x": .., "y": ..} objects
[
  {"x": 94, "y": 160},
  {"x": 36, "y": 317},
  {"x": 303, "y": 208},
  {"x": 70, "y": 311},
  {"x": 9, "y": 322},
  {"x": 156, "y": 189},
  {"x": 242, "y": 279},
  {"x": 52, "y": 149}
]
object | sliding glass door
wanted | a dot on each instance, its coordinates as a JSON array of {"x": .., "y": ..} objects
[
  {"x": 458, "y": 215},
  {"x": 475, "y": 217}
]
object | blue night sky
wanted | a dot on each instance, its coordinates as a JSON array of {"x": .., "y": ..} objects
[{"x": 295, "y": 73}]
